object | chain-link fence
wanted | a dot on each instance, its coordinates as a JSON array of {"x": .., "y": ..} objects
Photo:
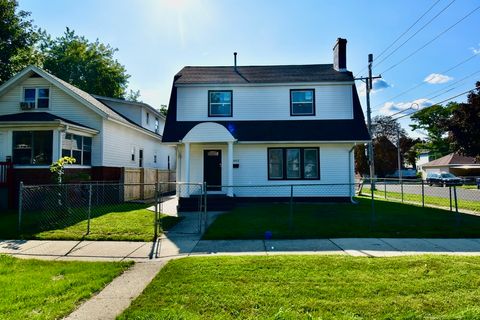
[
  {"x": 453, "y": 197},
  {"x": 103, "y": 211}
]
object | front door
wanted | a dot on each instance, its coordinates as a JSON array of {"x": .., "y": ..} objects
[{"x": 212, "y": 169}]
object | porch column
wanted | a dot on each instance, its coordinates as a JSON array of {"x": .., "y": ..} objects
[
  {"x": 230, "y": 168},
  {"x": 187, "y": 168}
]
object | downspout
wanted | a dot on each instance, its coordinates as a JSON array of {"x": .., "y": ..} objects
[{"x": 350, "y": 173}]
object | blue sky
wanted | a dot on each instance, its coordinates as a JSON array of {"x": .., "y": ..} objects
[{"x": 157, "y": 38}]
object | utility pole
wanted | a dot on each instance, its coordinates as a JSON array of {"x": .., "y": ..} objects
[
  {"x": 369, "y": 123},
  {"x": 369, "y": 84}
]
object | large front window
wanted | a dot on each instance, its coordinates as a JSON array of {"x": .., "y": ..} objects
[
  {"x": 77, "y": 147},
  {"x": 32, "y": 147},
  {"x": 37, "y": 97},
  {"x": 220, "y": 103},
  {"x": 293, "y": 164},
  {"x": 302, "y": 102}
]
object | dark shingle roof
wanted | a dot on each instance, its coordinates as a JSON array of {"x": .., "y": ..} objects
[
  {"x": 37, "y": 117},
  {"x": 261, "y": 74}
]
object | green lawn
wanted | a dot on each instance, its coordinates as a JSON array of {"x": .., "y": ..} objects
[
  {"x": 313, "y": 287},
  {"x": 342, "y": 220},
  {"x": 429, "y": 200},
  {"x": 130, "y": 222},
  {"x": 34, "y": 289}
]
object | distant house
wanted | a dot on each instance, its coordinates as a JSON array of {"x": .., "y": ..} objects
[
  {"x": 43, "y": 118},
  {"x": 267, "y": 125},
  {"x": 454, "y": 163}
]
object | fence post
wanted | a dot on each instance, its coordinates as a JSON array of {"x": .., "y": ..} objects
[
  {"x": 290, "y": 214},
  {"x": 385, "y": 187},
  {"x": 155, "y": 221},
  {"x": 450, "y": 196},
  {"x": 205, "y": 215},
  {"x": 373, "y": 209},
  {"x": 89, "y": 211},
  {"x": 423, "y": 194},
  {"x": 401, "y": 188},
  {"x": 457, "y": 216},
  {"x": 20, "y": 208}
]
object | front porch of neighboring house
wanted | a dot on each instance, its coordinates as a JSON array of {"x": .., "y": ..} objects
[
  {"x": 205, "y": 154},
  {"x": 31, "y": 147}
]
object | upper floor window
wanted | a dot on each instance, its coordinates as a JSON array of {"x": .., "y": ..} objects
[
  {"x": 37, "y": 97},
  {"x": 220, "y": 103},
  {"x": 302, "y": 102},
  {"x": 157, "y": 125},
  {"x": 148, "y": 118},
  {"x": 77, "y": 147}
]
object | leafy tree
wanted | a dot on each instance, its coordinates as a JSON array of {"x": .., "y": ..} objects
[
  {"x": 386, "y": 126},
  {"x": 361, "y": 160},
  {"x": 87, "y": 65},
  {"x": 133, "y": 96},
  {"x": 163, "y": 109},
  {"x": 408, "y": 150},
  {"x": 464, "y": 129},
  {"x": 385, "y": 156},
  {"x": 17, "y": 40},
  {"x": 432, "y": 121}
]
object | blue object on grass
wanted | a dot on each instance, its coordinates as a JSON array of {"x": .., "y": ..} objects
[{"x": 268, "y": 235}]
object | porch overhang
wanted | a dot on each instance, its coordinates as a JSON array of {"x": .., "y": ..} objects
[{"x": 206, "y": 132}]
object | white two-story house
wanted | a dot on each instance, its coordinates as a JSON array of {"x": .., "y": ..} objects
[
  {"x": 43, "y": 118},
  {"x": 238, "y": 128}
]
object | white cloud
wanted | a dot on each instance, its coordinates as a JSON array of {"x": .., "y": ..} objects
[
  {"x": 437, "y": 78},
  {"x": 476, "y": 50},
  {"x": 391, "y": 107},
  {"x": 378, "y": 85}
]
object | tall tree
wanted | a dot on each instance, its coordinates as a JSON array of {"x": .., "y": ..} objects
[
  {"x": 361, "y": 161},
  {"x": 87, "y": 65},
  {"x": 464, "y": 129},
  {"x": 385, "y": 156},
  {"x": 431, "y": 121},
  {"x": 17, "y": 40},
  {"x": 386, "y": 126}
]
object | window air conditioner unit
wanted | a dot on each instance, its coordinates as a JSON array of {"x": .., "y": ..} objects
[{"x": 27, "y": 105}]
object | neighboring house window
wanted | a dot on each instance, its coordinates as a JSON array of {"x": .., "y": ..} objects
[
  {"x": 302, "y": 102},
  {"x": 77, "y": 147},
  {"x": 157, "y": 125},
  {"x": 293, "y": 164},
  {"x": 220, "y": 103},
  {"x": 39, "y": 97},
  {"x": 148, "y": 118},
  {"x": 133, "y": 153},
  {"x": 32, "y": 147},
  {"x": 154, "y": 158}
]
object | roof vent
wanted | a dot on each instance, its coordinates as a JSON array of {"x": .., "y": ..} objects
[{"x": 235, "y": 61}]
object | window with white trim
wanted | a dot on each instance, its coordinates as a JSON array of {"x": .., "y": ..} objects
[
  {"x": 293, "y": 164},
  {"x": 302, "y": 102},
  {"x": 38, "y": 98},
  {"x": 220, "y": 103},
  {"x": 78, "y": 147},
  {"x": 32, "y": 147}
]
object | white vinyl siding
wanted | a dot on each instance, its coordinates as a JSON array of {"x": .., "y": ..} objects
[
  {"x": 265, "y": 102},
  {"x": 253, "y": 169}
]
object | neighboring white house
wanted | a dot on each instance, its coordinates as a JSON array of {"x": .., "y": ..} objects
[
  {"x": 43, "y": 118},
  {"x": 267, "y": 125}
]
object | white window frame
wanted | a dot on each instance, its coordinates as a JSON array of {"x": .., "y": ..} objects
[
  {"x": 36, "y": 95},
  {"x": 312, "y": 113},
  {"x": 64, "y": 137}
]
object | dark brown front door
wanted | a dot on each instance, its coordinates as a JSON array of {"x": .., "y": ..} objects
[{"x": 212, "y": 169}]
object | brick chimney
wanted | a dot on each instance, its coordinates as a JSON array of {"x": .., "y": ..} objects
[{"x": 340, "y": 55}]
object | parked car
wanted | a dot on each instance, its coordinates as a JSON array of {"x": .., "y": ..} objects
[{"x": 443, "y": 179}]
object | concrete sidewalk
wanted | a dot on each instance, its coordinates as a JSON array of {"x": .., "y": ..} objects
[{"x": 187, "y": 245}]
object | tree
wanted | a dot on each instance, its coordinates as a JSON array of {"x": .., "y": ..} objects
[
  {"x": 361, "y": 161},
  {"x": 432, "y": 121},
  {"x": 408, "y": 149},
  {"x": 17, "y": 40},
  {"x": 385, "y": 156},
  {"x": 133, "y": 96},
  {"x": 163, "y": 109},
  {"x": 386, "y": 126},
  {"x": 464, "y": 129},
  {"x": 87, "y": 65}
]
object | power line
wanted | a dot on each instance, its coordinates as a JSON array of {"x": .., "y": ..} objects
[
  {"x": 400, "y": 36},
  {"x": 423, "y": 82},
  {"x": 436, "y": 103},
  {"x": 416, "y": 32},
  {"x": 429, "y": 42}
]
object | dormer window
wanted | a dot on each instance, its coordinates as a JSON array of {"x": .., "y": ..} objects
[
  {"x": 302, "y": 102},
  {"x": 38, "y": 98},
  {"x": 220, "y": 103}
]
